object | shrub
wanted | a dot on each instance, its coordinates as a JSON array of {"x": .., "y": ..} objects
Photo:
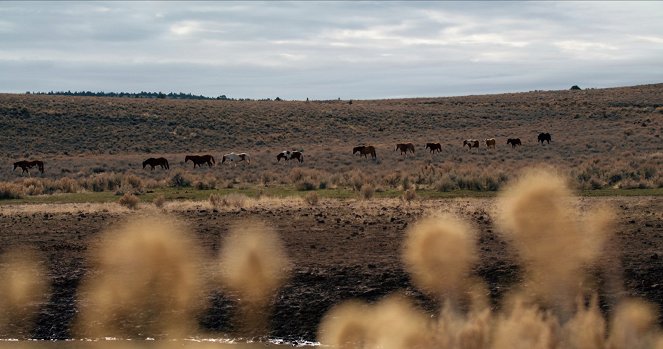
[
  {"x": 159, "y": 201},
  {"x": 67, "y": 185},
  {"x": 409, "y": 195},
  {"x": 132, "y": 182},
  {"x": 305, "y": 185},
  {"x": 10, "y": 191},
  {"x": 180, "y": 181},
  {"x": 367, "y": 191},
  {"x": 312, "y": 198},
  {"x": 445, "y": 184},
  {"x": 230, "y": 200},
  {"x": 129, "y": 200}
]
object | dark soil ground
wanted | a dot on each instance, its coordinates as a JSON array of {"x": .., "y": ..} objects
[{"x": 340, "y": 250}]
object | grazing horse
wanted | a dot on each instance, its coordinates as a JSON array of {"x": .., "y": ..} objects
[
  {"x": 404, "y": 148},
  {"x": 27, "y": 165},
  {"x": 471, "y": 143},
  {"x": 434, "y": 146},
  {"x": 490, "y": 142},
  {"x": 514, "y": 142},
  {"x": 544, "y": 137},
  {"x": 365, "y": 150},
  {"x": 152, "y": 162},
  {"x": 287, "y": 155},
  {"x": 235, "y": 158},
  {"x": 200, "y": 160}
]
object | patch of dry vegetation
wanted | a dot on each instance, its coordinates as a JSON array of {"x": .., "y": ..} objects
[
  {"x": 603, "y": 138},
  {"x": 549, "y": 309}
]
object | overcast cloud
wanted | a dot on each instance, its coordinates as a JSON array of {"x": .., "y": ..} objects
[{"x": 328, "y": 50}]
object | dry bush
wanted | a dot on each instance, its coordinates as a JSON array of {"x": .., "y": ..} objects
[
  {"x": 180, "y": 179},
  {"x": 129, "y": 200},
  {"x": 145, "y": 283},
  {"x": 206, "y": 183},
  {"x": 67, "y": 185},
  {"x": 131, "y": 183},
  {"x": 24, "y": 288},
  {"x": 367, "y": 191},
  {"x": 159, "y": 201},
  {"x": 409, "y": 195},
  {"x": 10, "y": 191},
  {"x": 235, "y": 200},
  {"x": 312, "y": 198}
]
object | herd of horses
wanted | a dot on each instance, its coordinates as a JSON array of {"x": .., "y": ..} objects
[{"x": 234, "y": 158}]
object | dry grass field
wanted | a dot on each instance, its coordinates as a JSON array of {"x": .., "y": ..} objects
[
  {"x": 601, "y": 138},
  {"x": 343, "y": 250}
]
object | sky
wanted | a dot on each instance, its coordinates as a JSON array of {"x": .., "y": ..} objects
[{"x": 328, "y": 50}]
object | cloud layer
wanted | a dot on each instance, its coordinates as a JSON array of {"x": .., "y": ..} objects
[{"x": 326, "y": 50}]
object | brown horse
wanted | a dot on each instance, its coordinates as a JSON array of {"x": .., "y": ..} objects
[
  {"x": 200, "y": 160},
  {"x": 152, "y": 162},
  {"x": 514, "y": 142},
  {"x": 404, "y": 148},
  {"x": 544, "y": 137},
  {"x": 490, "y": 142},
  {"x": 287, "y": 155},
  {"x": 365, "y": 150},
  {"x": 434, "y": 146},
  {"x": 27, "y": 165}
]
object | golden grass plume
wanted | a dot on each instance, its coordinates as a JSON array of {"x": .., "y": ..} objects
[
  {"x": 439, "y": 253},
  {"x": 145, "y": 282},
  {"x": 537, "y": 215},
  {"x": 24, "y": 287}
]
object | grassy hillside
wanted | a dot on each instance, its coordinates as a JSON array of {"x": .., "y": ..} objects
[{"x": 601, "y": 138}]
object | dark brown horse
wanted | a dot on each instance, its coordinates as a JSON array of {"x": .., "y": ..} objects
[
  {"x": 152, "y": 162},
  {"x": 544, "y": 137},
  {"x": 200, "y": 160},
  {"x": 364, "y": 150},
  {"x": 404, "y": 148},
  {"x": 434, "y": 146},
  {"x": 27, "y": 165},
  {"x": 514, "y": 142},
  {"x": 287, "y": 155}
]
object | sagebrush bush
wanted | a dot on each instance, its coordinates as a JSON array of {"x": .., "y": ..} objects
[
  {"x": 129, "y": 200},
  {"x": 159, "y": 201},
  {"x": 312, "y": 198},
  {"x": 10, "y": 191},
  {"x": 409, "y": 195},
  {"x": 180, "y": 180},
  {"x": 235, "y": 200},
  {"x": 367, "y": 191}
]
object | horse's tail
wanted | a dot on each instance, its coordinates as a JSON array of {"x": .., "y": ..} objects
[
  {"x": 301, "y": 157},
  {"x": 167, "y": 165},
  {"x": 41, "y": 167},
  {"x": 211, "y": 157}
]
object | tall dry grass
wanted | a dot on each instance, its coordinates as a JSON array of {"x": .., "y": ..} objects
[
  {"x": 556, "y": 305},
  {"x": 253, "y": 265},
  {"x": 24, "y": 288},
  {"x": 146, "y": 282}
]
